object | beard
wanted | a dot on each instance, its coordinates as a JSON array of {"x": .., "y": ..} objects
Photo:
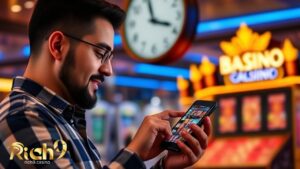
[{"x": 79, "y": 94}]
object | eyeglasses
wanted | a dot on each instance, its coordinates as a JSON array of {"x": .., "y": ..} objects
[{"x": 104, "y": 54}]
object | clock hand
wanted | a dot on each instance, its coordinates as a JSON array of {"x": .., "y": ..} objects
[
  {"x": 165, "y": 23},
  {"x": 155, "y": 21},
  {"x": 150, "y": 10}
]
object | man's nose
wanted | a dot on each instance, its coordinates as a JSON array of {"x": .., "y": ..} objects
[{"x": 106, "y": 68}]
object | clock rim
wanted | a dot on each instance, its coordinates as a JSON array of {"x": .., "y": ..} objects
[{"x": 182, "y": 43}]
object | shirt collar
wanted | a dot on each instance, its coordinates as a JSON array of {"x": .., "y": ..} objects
[{"x": 47, "y": 97}]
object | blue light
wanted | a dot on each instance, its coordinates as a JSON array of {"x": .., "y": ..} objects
[
  {"x": 234, "y": 22},
  {"x": 145, "y": 83},
  {"x": 1, "y": 55},
  {"x": 26, "y": 51},
  {"x": 117, "y": 40},
  {"x": 161, "y": 70},
  {"x": 252, "y": 76},
  {"x": 254, "y": 19},
  {"x": 197, "y": 58},
  {"x": 169, "y": 85}
]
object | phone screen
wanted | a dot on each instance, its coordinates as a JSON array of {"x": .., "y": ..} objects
[{"x": 193, "y": 116}]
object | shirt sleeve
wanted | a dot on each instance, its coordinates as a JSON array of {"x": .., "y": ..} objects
[
  {"x": 126, "y": 160},
  {"x": 159, "y": 164},
  {"x": 24, "y": 131},
  {"x": 29, "y": 129}
]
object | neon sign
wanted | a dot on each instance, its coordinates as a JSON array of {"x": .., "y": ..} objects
[
  {"x": 248, "y": 59},
  {"x": 255, "y": 75},
  {"x": 251, "y": 61}
]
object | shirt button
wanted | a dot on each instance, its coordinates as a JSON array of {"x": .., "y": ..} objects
[{"x": 72, "y": 121}]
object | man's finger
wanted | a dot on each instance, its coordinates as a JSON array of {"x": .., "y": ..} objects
[
  {"x": 200, "y": 135},
  {"x": 187, "y": 151},
  {"x": 165, "y": 127},
  {"x": 193, "y": 143},
  {"x": 207, "y": 126},
  {"x": 166, "y": 115}
]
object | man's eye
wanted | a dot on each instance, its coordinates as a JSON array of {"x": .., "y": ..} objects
[{"x": 99, "y": 54}]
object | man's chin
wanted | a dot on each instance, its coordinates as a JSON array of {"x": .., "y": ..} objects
[
  {"x": 88, "y": 104},
  {"x": 87, "y": 100}
]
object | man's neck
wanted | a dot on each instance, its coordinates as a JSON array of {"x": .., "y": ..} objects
[{"x": 43, "y": 73}]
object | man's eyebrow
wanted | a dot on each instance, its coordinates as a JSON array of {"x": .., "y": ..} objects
[{"x": 106, "y": 46}]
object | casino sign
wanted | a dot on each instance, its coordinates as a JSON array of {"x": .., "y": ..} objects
[{"x": 249, "y": 57}]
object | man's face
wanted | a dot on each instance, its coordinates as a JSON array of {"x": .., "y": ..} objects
[{"x": 83, "y": 72}]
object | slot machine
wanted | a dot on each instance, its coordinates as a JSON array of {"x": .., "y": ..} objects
[
  {"x": 252, "y": 130},
  {"x": 100, "y": 121},
  {"x": 128, "y": 120},
  {"x": 257, "y": 88}
]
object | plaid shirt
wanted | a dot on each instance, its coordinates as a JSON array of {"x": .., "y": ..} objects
[{"x": 34, "y": 116}]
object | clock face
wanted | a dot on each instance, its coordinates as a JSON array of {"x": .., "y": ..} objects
[{"x": 152, "y": 27}]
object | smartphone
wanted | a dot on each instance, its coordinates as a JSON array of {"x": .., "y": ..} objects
[{"x": 194, "y": 115}]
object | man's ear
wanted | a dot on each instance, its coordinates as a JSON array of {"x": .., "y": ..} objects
[{"x": 57, "y": 45}]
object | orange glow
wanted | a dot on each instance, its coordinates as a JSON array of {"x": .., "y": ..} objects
[
  {"x": 29, "y": 4},
  {"x": 216, "y": 90},
  {"x": 277, "y": 118},
  {"x": 241, "y": 152},
  {"x": 228, "y": 118},
  {"x": 207, "y": 68},
  {"x": 251, "y": 113},
  {"x": 289, "y": 51},
  {"x": 15, "y": 8},
  {"x": 182, "y": 86},
  {"x": 195, "y": 74},
  {"x": 246, "y": 41},
  {"x": 291, "y": 68},
  {"x": 290, "y": 54},
  {"x": 5, "y": 84},
  {"x": 209, "y": 81}
]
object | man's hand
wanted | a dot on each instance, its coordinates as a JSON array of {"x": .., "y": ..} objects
[
  {"x": 153, "y": 130},
  {"x": 156, "y": 128},
  {"x": 192, "y": 153}
]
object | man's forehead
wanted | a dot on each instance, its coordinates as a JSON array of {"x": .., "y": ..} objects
[
  {"x": 105, "y": 45},
  {"x": 103, "y": 33},
  {"x": 103, "y": 23}
]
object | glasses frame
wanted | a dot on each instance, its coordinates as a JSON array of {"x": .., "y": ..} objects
[{"x": 107, "y": 55}]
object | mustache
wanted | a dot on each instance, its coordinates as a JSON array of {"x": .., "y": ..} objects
[{"x": 98, "y": 77}]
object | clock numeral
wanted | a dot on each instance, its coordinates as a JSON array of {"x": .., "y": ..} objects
[
  {"x": 175, "y": 31},
  {"x": 131, "y": 24},
  {"x": 143, "y": 45},
  {"x": 135, "y": 37},
  {"x": 137, "y": 9},
  {"x": 153, "y": 49},
  {"x": 174, "y": 4},
  {"x": 178, "y": 15},
  {"x": 166, "y": 42}
]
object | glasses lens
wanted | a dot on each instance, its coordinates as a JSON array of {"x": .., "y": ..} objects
[{"x": 106, "y": 57}]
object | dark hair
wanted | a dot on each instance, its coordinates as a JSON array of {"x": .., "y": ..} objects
[{"x": 72, "y": 16}]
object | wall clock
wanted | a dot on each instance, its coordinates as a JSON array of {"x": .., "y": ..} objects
[{"x": 159, "y": 31}]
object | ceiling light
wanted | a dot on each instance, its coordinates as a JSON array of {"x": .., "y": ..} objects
[
  {"x": 15, "y": 8},
  {"x": 29, "y": 4}
]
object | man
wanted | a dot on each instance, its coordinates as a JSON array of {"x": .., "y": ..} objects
[{"x": 42, "y": 121}]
